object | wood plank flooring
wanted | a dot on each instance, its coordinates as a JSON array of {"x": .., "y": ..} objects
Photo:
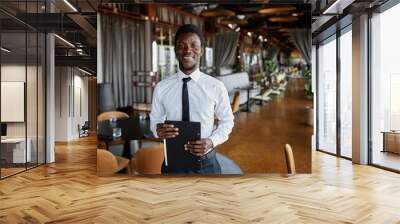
[
  {"x": 257, "y": 140},
  {"x": 69, "y": 191}
]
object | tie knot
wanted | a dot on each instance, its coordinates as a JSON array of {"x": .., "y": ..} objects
[{"x": 185, "y": 80}]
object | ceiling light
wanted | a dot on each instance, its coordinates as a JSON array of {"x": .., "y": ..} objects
[
  {"x": 295, "y": 14},
  {"x": 265, "y": 40},
  {"x": 249, "y": 33},
  {"x": 217, "y": 12},
  {"x": 70, "y": 5},
  {"x": 240, "y": 22},
  {"x": 241, "y": 16},
  {"x": 65, "y": 41},
  {"x": 237, "y": 29},
  {"x": 5, "y": 50},
  {"x": 274, "y": 10},
  {"x": 283, "y": 19}
]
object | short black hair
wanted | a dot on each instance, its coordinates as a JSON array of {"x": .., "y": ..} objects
[{"x": 189, "y": 28}]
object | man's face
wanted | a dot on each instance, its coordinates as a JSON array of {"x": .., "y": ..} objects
[{"x": 188, "y": 51}]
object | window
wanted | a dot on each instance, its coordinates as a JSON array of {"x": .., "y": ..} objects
[
  {"x": 327, "y": 96},
  {"x": 385, "y": 89},
  {"x": 346, "y": 93}
]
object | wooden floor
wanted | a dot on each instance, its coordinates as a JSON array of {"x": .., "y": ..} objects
[
  {"x": 69, "y": 191},
  {"x": 257, "y": 140}
]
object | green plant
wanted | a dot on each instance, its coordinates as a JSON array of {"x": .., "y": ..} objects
[
  {"x": 308, "y": 84},
  {"x": 270, "y": 65}
]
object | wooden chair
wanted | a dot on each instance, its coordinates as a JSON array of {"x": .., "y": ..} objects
[
  {"x": 110, "y": 114},
  {"x": 148, "y": 160},
  {"x": 236, "y": 102},
  {"x": 108, "y": 163},
  {"x": 290, "y": 164}
]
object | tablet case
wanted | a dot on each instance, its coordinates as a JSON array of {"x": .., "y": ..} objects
[{"x": 178, "y": 158}]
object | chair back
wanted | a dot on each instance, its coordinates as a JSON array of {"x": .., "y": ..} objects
[
  {"x": 110, "y": 114},
  {"x": 290, "y": 164},
  {"x": 149, "y": 160},
  {"x": 236, "y": 102},
  {"x": 107, "y": 164}
]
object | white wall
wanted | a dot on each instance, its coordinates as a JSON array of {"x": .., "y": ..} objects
[{"x": 71, "y": 102}]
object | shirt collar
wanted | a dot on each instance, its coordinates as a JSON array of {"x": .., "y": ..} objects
[{"x": 195, "y": 75}]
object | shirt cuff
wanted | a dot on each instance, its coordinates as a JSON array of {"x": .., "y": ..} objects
[{"x": 214, "y": 141}]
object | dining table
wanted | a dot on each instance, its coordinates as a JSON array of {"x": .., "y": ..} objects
[{"x": 132, "y": 128}]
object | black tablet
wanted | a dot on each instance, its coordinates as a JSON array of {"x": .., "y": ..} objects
[{"x": 176, "y": 156}]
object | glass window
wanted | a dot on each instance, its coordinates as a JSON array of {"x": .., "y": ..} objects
[
  {"x": 22, "y": 93},
  {"x": 385, "y": 87},
  {"x": 327, "y": 96},
  {"x": 346, "y": 94}
]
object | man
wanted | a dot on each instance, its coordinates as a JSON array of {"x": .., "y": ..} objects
[{"x": 191, "y": 95}]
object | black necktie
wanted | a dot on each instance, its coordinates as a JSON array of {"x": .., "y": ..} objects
[{"x": 185, "y": 100}]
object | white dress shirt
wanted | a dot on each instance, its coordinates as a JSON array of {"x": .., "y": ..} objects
[{"x": 208, "y": 99}]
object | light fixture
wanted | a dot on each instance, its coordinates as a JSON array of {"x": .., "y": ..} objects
[
  {"x": 5, "y": 50},
  {"x": 241, "y": 16},
  {"x": 84, "y": 71},
  {"x": 70, "y": 5},
  {"x": 237, "y": 29},
  {"x": 265, "y": 40},
  {"x": 240, "y": 22},
  {"x": 65, "y": 41},
  {"x": 217, "y": 12},
  {"x": 275, "y": 10},
  {"x": 249, "y": 34},
  {"x": 283, "y": 19}
]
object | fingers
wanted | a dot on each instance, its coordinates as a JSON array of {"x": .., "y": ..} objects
[
  {"x": 167, "y": 131},
  {"x": 198, "y": 148}
]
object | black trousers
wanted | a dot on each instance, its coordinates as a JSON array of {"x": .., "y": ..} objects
[{"x": 207, "y": 165}]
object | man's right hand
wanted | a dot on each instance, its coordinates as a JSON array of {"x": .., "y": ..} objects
[{"x": 167, "y": 131}]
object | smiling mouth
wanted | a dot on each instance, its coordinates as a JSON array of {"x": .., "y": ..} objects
[{"x": 188, "y": 58}]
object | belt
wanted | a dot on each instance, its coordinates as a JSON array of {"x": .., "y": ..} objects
[{"x": 210, "y": 155}]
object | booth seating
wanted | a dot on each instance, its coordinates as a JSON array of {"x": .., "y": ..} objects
[{"x": 235, "y": 81}]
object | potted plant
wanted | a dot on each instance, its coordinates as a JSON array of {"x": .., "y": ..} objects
[{"x": 308, "y": 89}]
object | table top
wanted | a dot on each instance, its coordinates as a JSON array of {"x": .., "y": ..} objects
[
  {"x": 391, "y": 132},
  {"x": 249, "y": 87},
  {"x": 13, "y": 140},
  {"x": 132, "y": 128}
]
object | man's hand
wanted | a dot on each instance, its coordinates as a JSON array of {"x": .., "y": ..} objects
[
  {"x": 199, "y": 147},
  {"x": 167, "y": 131}
]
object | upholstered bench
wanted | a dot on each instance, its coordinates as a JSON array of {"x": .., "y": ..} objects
[{"x": 235, "y": 81}]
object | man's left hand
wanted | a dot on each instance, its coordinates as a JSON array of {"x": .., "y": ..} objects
[{"x": 199, "y": 147}]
